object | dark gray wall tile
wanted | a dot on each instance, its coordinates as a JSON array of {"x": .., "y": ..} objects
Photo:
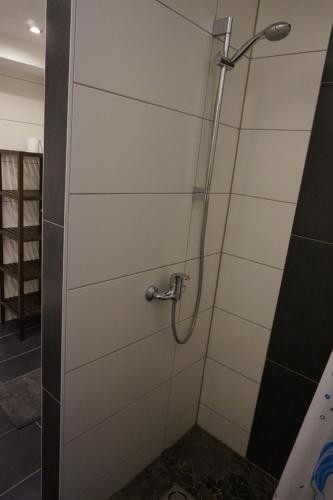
[
  {"x": 30, "y": 489},
  {"x": 52, "y": 307},
  {"x": 56, "y": 105},
  {"x": 328, "y": 68},
  {"x": 50, "y": 447},
  {"x": 314, "y": 214},
  {"x": 301, "y": 337},
  {"x": 283, "y": 401}
]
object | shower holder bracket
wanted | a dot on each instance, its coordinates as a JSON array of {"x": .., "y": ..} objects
[
  {"x": 222, "y": 26},
  {"x": 198, "y": 193}
]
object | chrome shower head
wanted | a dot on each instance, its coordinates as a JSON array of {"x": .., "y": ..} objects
[
  {"x": 273, "y": 33},
  {"x": 277, "y": 31}
]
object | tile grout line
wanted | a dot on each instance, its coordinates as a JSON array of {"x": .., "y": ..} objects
[
  {"x": 20, "y": 482},
  {"x": 139, "y": 272},
  {"x": 257, "y": 197},
  {"x": 243, "y": 318},
  {"x": 109, "y": 417},
  {"x": 323, "y": 242},
  {"x": 290, "y": 54},
  {"x": 35, "y": 124},
  {"x": 20, "y": 355},
  {"x": 233, "y": 370},
  {"x": 291, "y": 371},
  {"x": 51, "y": 395},
  {"x": 225, "y": 418},
  {"x": 253, "y": 261}
]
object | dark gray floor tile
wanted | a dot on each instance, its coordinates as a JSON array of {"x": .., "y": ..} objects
[
  {"x": 282, "y": 404},
  {"x": 5, "y": 423},
  {"x": 12, "y": 326},
  {"x": 20, "y": 365},
  {"x": 20, "y": 455},
  {"x": 11, "y": 346},
  {"x": 301, "y": 337},
  {"x": 30, "y": 489}
]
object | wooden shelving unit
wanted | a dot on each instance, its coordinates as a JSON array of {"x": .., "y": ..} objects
[{"x": 24, "y": 304}]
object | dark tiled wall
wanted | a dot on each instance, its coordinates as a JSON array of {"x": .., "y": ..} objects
[
  {"x": 301, "y": 339},
  {"x": 56, "y": 106}
]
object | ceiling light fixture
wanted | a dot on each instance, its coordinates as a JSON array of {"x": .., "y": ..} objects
[{"x": 35, "y": 30}]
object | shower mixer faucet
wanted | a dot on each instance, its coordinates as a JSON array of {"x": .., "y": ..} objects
[{"x": 174, "y": 292}]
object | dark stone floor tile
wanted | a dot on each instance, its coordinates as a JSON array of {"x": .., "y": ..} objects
[
  {"x": 30, "y": 489},
  {"x": 20, "y": 455},
  {"x": 5, "y": 423},
  {"x": 204, "y": 467},
  {"x": 12, "y": 326},
  {"x": 20, "y": 365},
  {"x": 11, "y": 346}
]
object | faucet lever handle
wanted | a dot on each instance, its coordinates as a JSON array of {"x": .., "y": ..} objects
[{"x": 182, "y": 276}]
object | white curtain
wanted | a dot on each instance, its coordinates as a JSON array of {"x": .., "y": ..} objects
[{"x": 308, "y": 474}]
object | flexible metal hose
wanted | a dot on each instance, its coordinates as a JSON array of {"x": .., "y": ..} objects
[{"x": 217, "y": 113}]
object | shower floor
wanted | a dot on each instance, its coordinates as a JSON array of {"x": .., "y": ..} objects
[{"x": 205, "y": 468}]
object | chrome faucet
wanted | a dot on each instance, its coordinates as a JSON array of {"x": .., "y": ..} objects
[{"x": 174, "y": 292}]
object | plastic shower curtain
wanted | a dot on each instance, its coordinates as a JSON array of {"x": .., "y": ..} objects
[{"x": 308, "y": 474}]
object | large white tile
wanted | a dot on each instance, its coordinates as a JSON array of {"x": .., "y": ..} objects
[
  {"x": 224, "y": 157},
  {"x": 185, "y": 390},
  {"x": 95, "y": 453},
  {"x": 282, "y": 91},
  {"x": 229, "y": 394},
  {"x": 248, "y": 289},
  {"x": 170, "y": 65},
  {"x": 123, "y": 145},
  {"x": 180, "y": 426},
  {"x": 201, "y": 12},
  {"x": 211, "y": 266},
  {"x": 234, "y": 88},
  {"x": 126, "y": 471},
  {"x": 259, "y": 229},
  {"x": 311, "y": 25},
  {"x": 244, "y": 16},
  {"x": 97, "y": 390},
  {"x": 13, "y": 135},
  {"x": 223, "y": 430},
  {"x": 103, "y": 310},
  {"x": 195, "y": 348},
  {"x": 270, "y": 163},
  {"x": 21, "y": 101},
  {"x": 238, "y": 344},
  {"x": 116, "y": 235},
  {"x": 218, "y": 206}
]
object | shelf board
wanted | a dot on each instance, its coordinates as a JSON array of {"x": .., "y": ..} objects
[
  {"x": 28, "y": 194},
  {"x": 31, "y": 270},
  {"x": 30, "y": 233},
  {"x": 31, "y": 304}
]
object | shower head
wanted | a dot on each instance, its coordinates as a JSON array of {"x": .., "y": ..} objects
[{"x": 273, "y": 33}]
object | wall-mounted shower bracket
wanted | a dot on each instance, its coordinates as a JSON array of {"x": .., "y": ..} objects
[
  {"x": 198, "y": 193},
  {"x": 222, "y": 26}
]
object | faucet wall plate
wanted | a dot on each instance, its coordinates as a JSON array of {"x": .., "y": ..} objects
[{"x": 150, "y": 292}]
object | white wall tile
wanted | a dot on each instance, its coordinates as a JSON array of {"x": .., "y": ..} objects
[
  {"x": 270, "y": 163},
  {"x": 13, "y": 135},
  {"x": 218, "y": 206},
  {"x": 208, "y": 287},
  {"x": 195, "y": 348},
  {"x": 21, "y": 101},
  {"x": 120, "y": 378},
  {"x": 244, "y": 13},
  {"x": 95, "y": 453},
  {"x": 229, "y": 394},
  {"x": 311, "y": 25},
  {"x": 224, "y": 157},
  {"x": 282, "y": 91},
  {"x": 110, "y": 323},
  {"x": 180, "y": 426},
  {"x": 126, "y": 471},
  {"x": 222, "y": 429},
  {"x": 201, "y": 12},
  {"x": 238, "y": 344},
  {"x": 248, "y": 289},
  {"x": 259, "y": 229},
  {"x": 115, "y": 235},
  {"x": 123, "y": 145},
  {"x": 234, "y": 89},
  {"x": 171, "y": 55},
  {"x": 185, "y": 390}
]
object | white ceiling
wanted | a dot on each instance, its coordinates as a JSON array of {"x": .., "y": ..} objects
[{"x": 18, "y": 46}]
